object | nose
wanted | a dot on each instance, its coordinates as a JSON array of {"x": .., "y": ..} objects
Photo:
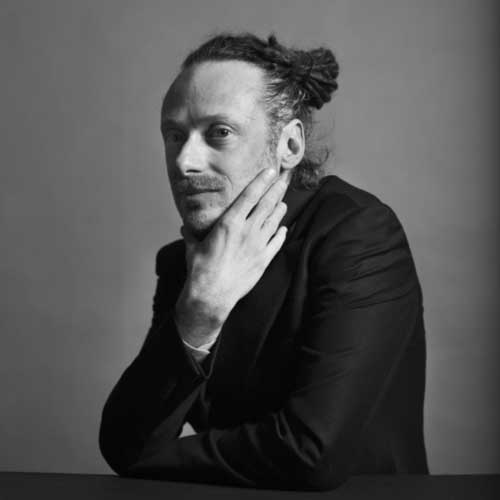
[{"x": 192, "y": 157}]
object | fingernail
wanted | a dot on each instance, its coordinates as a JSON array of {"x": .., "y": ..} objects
[{"x": 270, "y": 173}]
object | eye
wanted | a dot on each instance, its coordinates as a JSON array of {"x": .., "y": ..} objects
[
  {"x": 219, "y": 132},
  {"x": 173, "y": 136}
]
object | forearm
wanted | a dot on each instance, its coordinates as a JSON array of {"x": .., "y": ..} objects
[
  {"x": 160, "y": 386},
  {"x": 269, "y": 453}
]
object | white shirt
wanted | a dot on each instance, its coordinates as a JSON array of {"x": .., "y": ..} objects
[{"x": 201, "y": 352}]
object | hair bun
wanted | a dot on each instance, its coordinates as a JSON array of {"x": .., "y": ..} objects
[{"x": 316, "y": 71}]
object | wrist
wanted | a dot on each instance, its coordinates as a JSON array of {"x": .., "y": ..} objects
[
  {"x": 198, "y": 322},
  {"x": 192, "y": 310},
  {"x": 206, "y": 306}
]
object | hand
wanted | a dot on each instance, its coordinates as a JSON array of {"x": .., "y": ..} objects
[{"x": 229, "y": 261}]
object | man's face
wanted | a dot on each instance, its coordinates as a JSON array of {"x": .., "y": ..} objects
[{"x": 216, "y": 138}]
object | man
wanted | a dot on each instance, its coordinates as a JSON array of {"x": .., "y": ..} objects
[{"x": 287, "y": 323}]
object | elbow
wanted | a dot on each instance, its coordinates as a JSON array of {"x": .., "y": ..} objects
[
  {"x": 316, "y": 461},
  {"x": 114, "y": 453},
  {"x": 321, "y": 480},
  {"x": 111, "y": 455},
  {"x": 117, "y": 461},
  {"x": 315, "y": 469},
  {"x": 323, "y": 476}
]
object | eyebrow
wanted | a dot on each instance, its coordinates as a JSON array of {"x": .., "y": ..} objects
[{"x": 166, "y": 120}]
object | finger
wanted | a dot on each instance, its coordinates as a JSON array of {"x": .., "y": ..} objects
[
  {"x": 275, "y": 243},
  {"x": 250, "y": 196},
  {"x": 268, "y": 202},
  {"x": 271, "y": 224}
]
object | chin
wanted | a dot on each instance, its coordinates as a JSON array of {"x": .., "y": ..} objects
[{"x": 200, "y": 222}]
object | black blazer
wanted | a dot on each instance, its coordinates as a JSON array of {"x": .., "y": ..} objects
[{"x": 318, "y": 373}]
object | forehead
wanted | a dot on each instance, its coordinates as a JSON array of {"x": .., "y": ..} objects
[{"x": 232, "y": 88}]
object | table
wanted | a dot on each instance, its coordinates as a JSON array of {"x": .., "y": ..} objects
[{"x": 24, "y": 485}]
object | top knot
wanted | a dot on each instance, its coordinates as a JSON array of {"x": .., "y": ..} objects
[
  {"x": 302, "y": 69},
  {"x": 315, "y": 72}
]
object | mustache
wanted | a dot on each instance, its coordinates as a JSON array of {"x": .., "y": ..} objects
[{"x": 197, "y": 184}]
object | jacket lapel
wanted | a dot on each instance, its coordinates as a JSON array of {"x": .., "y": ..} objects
[{"x": 246, "y": 328}]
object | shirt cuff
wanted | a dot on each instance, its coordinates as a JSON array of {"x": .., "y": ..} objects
[{"x": 201, "y": 352}]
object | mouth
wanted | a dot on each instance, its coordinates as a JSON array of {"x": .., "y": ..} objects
[{"x": 198, "y": 191}]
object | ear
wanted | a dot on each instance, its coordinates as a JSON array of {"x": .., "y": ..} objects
[{"x": 291, "y": 145}]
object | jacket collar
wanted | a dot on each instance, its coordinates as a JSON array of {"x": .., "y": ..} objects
[{"x": 296, "y": 199}]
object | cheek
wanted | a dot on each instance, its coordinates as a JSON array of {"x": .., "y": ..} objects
[{"x": 243, "y": 167}]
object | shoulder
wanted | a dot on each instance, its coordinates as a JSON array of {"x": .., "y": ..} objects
[
  {"x": 168, "y": 256},
  {"x": 357, "y": 241},
  {"x": 333, "y": 187},
  {"x": 341, "y": 209}
]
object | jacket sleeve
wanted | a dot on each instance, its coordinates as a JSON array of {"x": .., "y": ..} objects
[
  {"x": 159, "y": 387},
  {"x": 364, "y": 301}
]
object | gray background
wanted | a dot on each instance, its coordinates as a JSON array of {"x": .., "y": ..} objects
[{"x": 85, "y": 201}]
